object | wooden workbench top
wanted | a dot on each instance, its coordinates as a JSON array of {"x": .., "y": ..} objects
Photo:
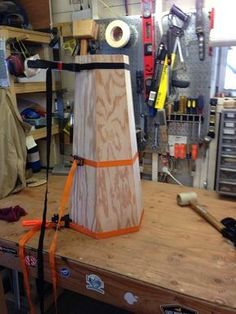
[{"x": 175, "y": 248}]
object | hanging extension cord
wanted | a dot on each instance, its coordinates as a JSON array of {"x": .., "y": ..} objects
[
  {"x": 109, "y": 8},
  {"x": 165, "y": 170}
]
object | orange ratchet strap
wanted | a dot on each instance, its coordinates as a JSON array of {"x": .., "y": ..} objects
[
  {"x": 63, "y": 202},
  {"x": 53, "y": 246},
  {"x": 110, "y": 163},
  {"x": 23, "y": 240}
]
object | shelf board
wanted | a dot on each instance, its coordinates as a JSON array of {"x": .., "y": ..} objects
[
  {"x": 42, "y": 132},
  {"x": 33, "y": 87},
  {"x": 24, "y": 34},
  {"x": 21, "y": 88}
]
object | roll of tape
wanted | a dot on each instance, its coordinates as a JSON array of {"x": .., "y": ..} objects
[{"x": 117, "y": 34}]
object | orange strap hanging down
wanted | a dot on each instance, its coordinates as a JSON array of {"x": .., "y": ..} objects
[
  {"x": 26, "y": 237},
  {"x": 53, "y": 246},
  {"x": 62, "y": 207},
  {"x": 23, "y": 240}
]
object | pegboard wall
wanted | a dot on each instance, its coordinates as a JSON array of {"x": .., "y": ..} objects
[{"x": 197, "y": 72}]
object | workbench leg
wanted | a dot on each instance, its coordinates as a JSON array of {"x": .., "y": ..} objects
[
  {"x": 3, "y": 305},
  {"x": 16, "y": 289},
  {"x": 155, "y": 167}
]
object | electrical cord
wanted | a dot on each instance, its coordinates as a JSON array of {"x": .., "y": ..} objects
[
  {"x": 165, "y": 170},
  {"x": 109, "y": 8}
]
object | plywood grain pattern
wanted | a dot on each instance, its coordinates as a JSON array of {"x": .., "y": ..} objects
[
  {"x": 104, "y": 199},
  {"x": 110, "y": 134},
  {"x": 84, "y": 196},
  {"x": 84, "y": 139},
  {"x": 176, "y": 257},
  {"x": 113, "y": 136}
]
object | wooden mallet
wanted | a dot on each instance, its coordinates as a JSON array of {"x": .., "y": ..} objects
[{"x": 227, "y": 230}]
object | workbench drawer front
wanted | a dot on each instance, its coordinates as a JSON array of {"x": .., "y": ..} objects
[
  {"x": 227, "y": 187},
  {"x": 229, "y": 141},
  {"x": 228, "y": 161},
  {"x": 228, "y": 174},
  {"x": 229, "y": 124},
  {"x": 229, "y": 116},
  {"x": 228, "y": 149},
  {"x": 229, "y": 131}
]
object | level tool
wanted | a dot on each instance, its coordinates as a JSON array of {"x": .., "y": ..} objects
[{"x": 148, "y": 43}]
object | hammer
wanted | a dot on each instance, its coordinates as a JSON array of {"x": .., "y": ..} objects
[{"x": 227, "y": 227}]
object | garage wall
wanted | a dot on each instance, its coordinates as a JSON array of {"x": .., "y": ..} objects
[
  {"x": 186, "y": 5},
  {"x": 63, "y": 9},
  {"x": 118, "y": 8}
]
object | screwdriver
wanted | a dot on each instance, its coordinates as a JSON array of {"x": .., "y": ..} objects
[
  {"x": 176, "y": 154},
  {"x": 189, "y": 106},
  {"x": 182, "y": 151},
  {"x": 194, "y": 151}
]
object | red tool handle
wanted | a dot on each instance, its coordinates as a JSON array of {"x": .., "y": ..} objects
[
  {"x": 176, "y": 151},
  {"x": 182, "y": 151},
  {"x": 194, "y": 152}
]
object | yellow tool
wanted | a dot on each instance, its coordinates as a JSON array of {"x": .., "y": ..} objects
[
  {"x": 70, "y": 45},
  {"x": 163, "y": 86}
]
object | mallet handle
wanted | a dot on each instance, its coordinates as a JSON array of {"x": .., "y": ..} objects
[{"x": 207, "y": 216}]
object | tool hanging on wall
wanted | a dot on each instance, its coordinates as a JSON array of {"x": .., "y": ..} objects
[
  {"x": 211, "y": 26},
  {"x": 156, "y": 132},
  {"x": 160, "y": 137},
  {"x": 163, "y": 92},
  {"x": 163, "y": 80},
  {"x": 70, "y": 46},
  {"x": 200, "y": 29},
  {"x": 178, "y": 22},
  {"x": 143, "y": 117},
  {"x": 176, "y": 12},
  {"x": 159, "y": 68},
  {"x": 148, "y": 38}
]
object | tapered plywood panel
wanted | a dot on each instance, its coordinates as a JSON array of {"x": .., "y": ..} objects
[
  {"x": 103, "y": 102},
  {"x": 106, "y": 198}
]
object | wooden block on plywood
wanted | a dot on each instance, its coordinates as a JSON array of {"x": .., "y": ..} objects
[
  {"x": 85, "y": 29},
  {"x": 106, "y": 193}
]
